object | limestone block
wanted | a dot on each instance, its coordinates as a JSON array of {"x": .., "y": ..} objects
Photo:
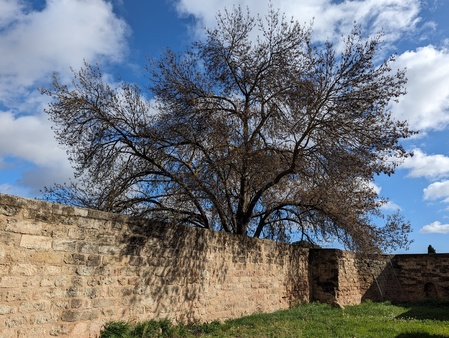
[
  {"x": 74, "y": 315},
  {"x": 50, "y": 258},
  {"x": 88, "y": 248},
  {"x": 92, "y": 293},
  {"x": 9, "y": 210},
  {"x": 14, "y": 295},
  {"x": 71, "y": 316},
  {"x": 93, "y": 260},
  {"x": 52, "y": 270},
  {"x": 15, "y": 321},
  {"x": 24, "y": 227},
  {"x": 47, "y": 282},
  {"x": 3, "y": 253},
  {"x": 33, "y": 306},
  {"x": 32, "y": 332},
  {"x": 85, "y": 270},
  {"x": 105, "y": 302},
  {"x": 29, "y": 282},
  {"x": 76, "y": 233},
  {"x": 64, "y": 245},
  {"x": 23, "y": 270},
  {"x": 6, "y": 309},
  {"x": 80, "y": 212},
  {"x": 10, "y": 238},
  {"x": 101, "y": 280},
  {"x": 10, "y": 282},
  {"x": 89, "y": 223},
  {"x": 8, "y": 333},
  {"x": 77, "y": 281},
  {"x": 74, "y": 292},
  {"x": 76, "y": 259},
  {"x": 76, "y": 303},
  {"x": 60, "y": 330},
  {"x": 80, "y": 329},
  {"x": 109, "y": 250},
  {"x": 39, "y": 243}
]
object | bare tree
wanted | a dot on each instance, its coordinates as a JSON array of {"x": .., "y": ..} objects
[{"x": 256, "y": 131}]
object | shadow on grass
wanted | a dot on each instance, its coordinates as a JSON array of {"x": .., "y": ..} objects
[
  {"x": 420, "y": 335},
  {"x": 428, "y": 309}
]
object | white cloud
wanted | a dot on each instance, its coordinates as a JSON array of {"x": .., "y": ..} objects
[
  {"x": 428, "y": 166},
  {"x": 390, "y": 206},
  {"x": 9, "y": 9},
  {"x": 35, "y": 43},
  {"x": 431, "y": 167},
  {"x": 426, "y": 105},
  {"x": 437, "y": 190},
  {"x": 29, "y": 138},
  {"x": 375, "y": 187},
  {"x": 435, "y": 228},
  {"x": 330, "y": 19}
]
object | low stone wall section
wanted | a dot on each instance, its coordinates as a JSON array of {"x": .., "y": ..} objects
[
  {"x": 345, "y": 278},
  {"x": 65, "y": 271},
  {"x": 422, "y": 276}
]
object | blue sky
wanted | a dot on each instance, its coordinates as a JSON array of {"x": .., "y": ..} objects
[{"x": 38, "y": 37}]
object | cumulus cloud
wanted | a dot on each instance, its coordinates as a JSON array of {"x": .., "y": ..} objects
[
  {"x": 428, "y": 166},
  {"x": 391, "y": 206},
  {"x": 426, "y": 105},
  {"x": 434, "y": 168},
  {"x": 29, "y": 138},
  {"x": 435, "y": 228},
  {"x": 9, "y": 10},
  {"x": 330, "y": 19},
  {"x": 375, "y": 187},
  {"x": 437, "y": 190},
  {"x": 34, "y": 43},
  {"x": 62, "y": 34}
]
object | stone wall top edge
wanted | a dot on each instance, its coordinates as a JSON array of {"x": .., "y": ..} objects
[
  {"x": 63, "y": 209},
  {"x": 56, "y": 208},
  {"x": 328, "y": 249},
  {"x": 68, "y": 210},
  {"x": 421, "y": 255}
]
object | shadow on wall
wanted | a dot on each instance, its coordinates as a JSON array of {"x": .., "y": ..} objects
[
  {"x": 402, "y": 278},
  {"x": 297, "y": 283},
  {"x": 181, "y": 273},
  {"x": 430, "y": 290},
  {"x": 168, "y": 265},
  {"x": 69, "y": 270},
  {"x": 380, "y": 278}
]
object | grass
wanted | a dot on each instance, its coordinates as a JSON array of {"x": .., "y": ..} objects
[{"x": 412, "y": 320}]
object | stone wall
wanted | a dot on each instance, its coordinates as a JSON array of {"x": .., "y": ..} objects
[
  {"x": 345, "y": 278},
  {"x": 422, "y": 276},
  {"x": 65, "y": 271}
]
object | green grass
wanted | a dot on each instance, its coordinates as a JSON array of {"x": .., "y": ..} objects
[{"x": 420, "y": 320}]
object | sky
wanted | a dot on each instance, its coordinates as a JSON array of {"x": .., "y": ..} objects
[{"x": 39, "y": 37}]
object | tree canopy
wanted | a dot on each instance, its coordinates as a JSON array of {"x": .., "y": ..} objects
[{"x": 255, "y": 130}]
